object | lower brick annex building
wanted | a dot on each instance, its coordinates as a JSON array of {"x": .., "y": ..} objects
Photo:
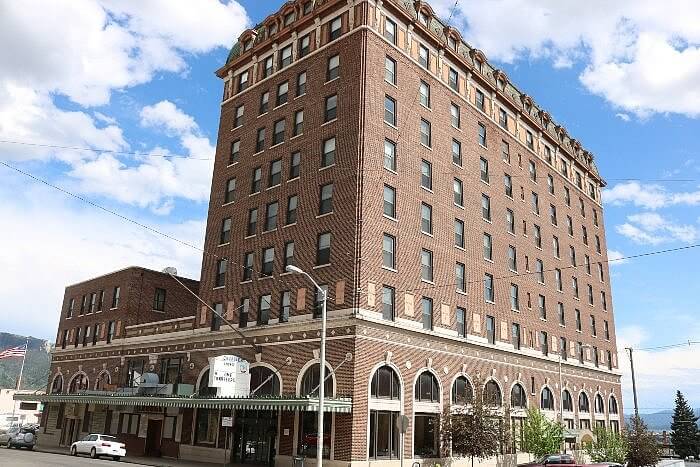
[{"x": 455, "y": 227}]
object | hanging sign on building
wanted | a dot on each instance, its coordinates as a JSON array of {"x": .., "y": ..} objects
[{"x": 230, "y": 376}]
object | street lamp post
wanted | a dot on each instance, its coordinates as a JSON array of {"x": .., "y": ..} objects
[{"x": 322, "y": 364}]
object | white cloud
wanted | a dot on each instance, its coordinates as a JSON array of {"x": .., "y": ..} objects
[
  {"x": 624, "y": 117},
  {"x": 640, "y": 55},
  {"x": 615, "y": 258},
  {"x": 658, "y": 373},
  {"x": 648, "y": 196},
  {"x": 166, "y": 115},
  {"x": 650, "y": 228},
  {"x": 84, "y": 242}
]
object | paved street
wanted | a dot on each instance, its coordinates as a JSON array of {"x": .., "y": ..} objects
[{"x": 24, "y": 458}]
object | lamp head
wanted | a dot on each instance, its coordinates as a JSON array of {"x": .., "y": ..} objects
[{"x": 291, "y": 268}]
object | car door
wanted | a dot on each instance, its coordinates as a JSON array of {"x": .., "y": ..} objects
[
  {"x": 81, "y": 446},
  {"x": 91, "y": 442}
]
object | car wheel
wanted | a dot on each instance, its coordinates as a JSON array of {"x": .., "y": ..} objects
[
  {"x": 93, "y": 453},
  {"x": 116, "y": 458},
  {"x": 73, "y": 451}
]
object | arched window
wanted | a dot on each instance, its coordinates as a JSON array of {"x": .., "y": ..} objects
[
  {"x": 57, "y": 385},
  {"x": 204, "y": 389},
  {"x": 583, "y": 405},
  {"x": 385, "y": 384},
  {"x": 427, "y": 388},
  {"x": 612, "y": 405},
  {"x": 547, "y": 399},
  {"x": 462, "y": 391},
  {"x": 264, "y": 382},
  {"x": 599, "y": 404},
  {"x": 78, "y": 383},
  {"x": 492, "y": 394},
  {"x": 518, "y": 398},
  {"x": 103, "y": 379},
  {"x": 566, "y": 401},
  {"x": 310, "y": 382}
]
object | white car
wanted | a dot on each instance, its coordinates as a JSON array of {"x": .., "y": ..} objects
[{"x": 99, "y": 445}]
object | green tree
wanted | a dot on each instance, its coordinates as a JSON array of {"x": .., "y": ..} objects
[
  {"x": 471, "y": 431},
  {"x": 541, "y": 436},
  {"x": 684, "y": 428},
  {"x": 608, "y": 446},
  {"x": 643, "y": 449}
]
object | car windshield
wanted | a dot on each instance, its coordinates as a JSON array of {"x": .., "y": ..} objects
[{"x": 109, "y": 438}]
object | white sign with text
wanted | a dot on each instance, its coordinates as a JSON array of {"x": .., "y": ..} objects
[{"x": 230, "y": 376}]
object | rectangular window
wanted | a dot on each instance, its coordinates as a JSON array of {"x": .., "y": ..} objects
[
  {"x": 333, "y": 68},
  {"x": 111, "y": 329},
  {"x": 298, "y": 123},
  {"x": 243, "y": 312},
  {"x": 505, "y": 151},
  {"x": 515, "y": 335},
  {"x": 529, "y": 141},
  {"x": 238, "y": 118},
  {"x": 389, "y": 251},
  {"x": 544, "y": 343},
  {"x": 560, "y": 311},
  {"x": 539, "y": 270},
  {"x": 550, "y": 184},
  {"x": 479, "y": 100},
  {"x": 508, "y": 183},
  {"x": 572, "y": 255},
  {"x": 331, "y": 108},
  {"x": 598, "y": 248},
  {"x": 555, "y": 246},
  {"x": 304, "y": 46},
  {"x": 335, "y": 29},
  {"x": 535, "y": 203},
  {"x": 590, "y": 294},
  {"x": 268, "y": 66},
  {"x": 264, "y": 309},
  {"x": 235, "y": 152},
  {"x": 594, "y": 332},
  {"x": 288, "y": 255},
  {"x": 279, "y": 132},
  {"x": 553, "y": 214},
  {"x": 390, "y": 155},
  {"x": 275, "y": 175},
  {"x": 484, "y": 165},
  {"x": 461, "y": 318},
  {"x": 514, "y": 298},
  {"x": 512, "y": 258},
  {"x": 455, "y": 115},
  {"x": 567, "y": 196},
  {"x": 243, "y": 81},
  {"x": 542, "y": 306},
  {"x": 390, "y": 30},
  {"x": 458, "y": 189},
  {"x": 423, "y": 56},
  {"x": 510, "y": 221},
  {"x": 292, "y": 205},
  {"x": 426, "y": 132},
  {"x": 252, "y": 222},
  {"x": 457, "y": 153},
  {"x": 294, "y": 166},
  {"x": 325, "y": 204},
  {"x": 116, "y": 296},
  {"x": 488, "y": 288},
  {"x": 390, "y": 201},
  {"x": 578, "y": 320},
  {"x": 225, "y": 235},
  {"x": 461, "y": 277},
  {"x": 570, "y": 225},
  {"x": 491, "y": 329},
  {"x": 533, "y": 171},
  {"x": 323, "y": 250},
  {"x": 390, "y": 70},
  {"x": 328, "y": 155},
  {"x": 485, "y": 207},
  {"x": 388, "y": 303},
  {"x": 424, "y": 91},
  {"x": 503, "y": 118},
  {"x": 426, "y": 218},
  {"x": 482, "y": 134},
  {"x": 427, "y": 307},
  {"x": 426, "y": 265},
  {"x": 260, "y": 141},
  {"x": 574, "y": 286},
  {"x": 93, "y": 302},
  {"x": 389, "y": 110},
  {"x": 271, "y": 212},
  {"x": 220, "y": 279},
  {"x": 459, "y": 233},
  {"x": 488, "y": 247},
  {"x": 285, "y": 57},
  {"x": 282, "y": 93},
  {"x": 256, "y": 183},
  {"x": 230, "y": 191},
  {"x": 301, "y": 84},
  {"x": 453, "y": 79},
  {"x": 426, "y": 175},
  {"x": 285, "y": 306},
  {"x": 538, "y": 235},
  {"x": 606, "y": 330},
  {"x": 563, "y": 347}
]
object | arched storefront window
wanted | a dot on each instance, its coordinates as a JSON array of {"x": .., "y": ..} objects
[
  {"x": 599, "y": 404},
  {"x": 103, "y": 379},
  {"x": 547, "y": 399},
  {"x": 263, "y": 382},
  {"x": 57, "y": 385},
  {"x": 427, "y": 388},
  {"x": 310, "y": 382},
  {"x": 308, "y": 421},
  {"x": 612, "y": 405},
  {"x": 492, "y": 394},
  {"x": 204, "y": 390},
  {"x": 79, "y": 383},
  {"x": 583, "y": 404},
  {"x": 518, "y": 398},
  {"x": 385, "y": 384},
  {"x": 462, "y": 391},
  {"x": 566, "y": 401}
]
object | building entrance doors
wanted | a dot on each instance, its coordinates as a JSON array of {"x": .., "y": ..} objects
[
  {"x": 153, "y": 438},
  {"x": 255, "y": 435}
]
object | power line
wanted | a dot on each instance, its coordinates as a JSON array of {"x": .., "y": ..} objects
[
  {"x": 109, "y": 151},
  {"x": 687, "y": 343}
]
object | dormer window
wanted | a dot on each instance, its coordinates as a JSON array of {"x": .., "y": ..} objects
[
  {"x": 423, "y": 18},
  {"x": 307, "y": 7},
  {"x": 479, "y": 66},
  {"x": 247, "y": 45},
  {"x": 273, "y": 29},
  {"x": 452, "y": 43},
  {"x": 289, "y": 18}
]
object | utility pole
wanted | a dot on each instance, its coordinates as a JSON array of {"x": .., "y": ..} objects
[{"x": 634, "y": 383}]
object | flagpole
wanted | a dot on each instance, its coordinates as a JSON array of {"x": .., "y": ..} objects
[{"x": 19, "y": 380}]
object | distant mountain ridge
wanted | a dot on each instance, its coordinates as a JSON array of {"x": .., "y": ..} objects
[
  {"x": 36, "y": 367},
  {"x": 658, "y": 421}
]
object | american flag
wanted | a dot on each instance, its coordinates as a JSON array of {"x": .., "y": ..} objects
[{"x": 13, "y": 352}]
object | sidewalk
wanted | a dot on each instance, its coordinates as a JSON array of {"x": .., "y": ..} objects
[{"x": 153, "y": 461}]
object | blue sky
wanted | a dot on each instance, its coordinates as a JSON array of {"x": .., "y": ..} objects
[{"x": 139, "y": 78}]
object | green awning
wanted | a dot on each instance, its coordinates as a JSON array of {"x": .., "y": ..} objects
[{"x": 304, "y": 404}]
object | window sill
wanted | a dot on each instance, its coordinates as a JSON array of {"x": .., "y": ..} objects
[
  {"x": 232, "y": 164},
  {"x": 393, "y": 219},
  {"x": 265, "y": 277},
  {"x": 296, "y": 136},
  {"x": 263, "y": 114},
  {"x": 321, "y": 266},
  {"x": 427, "y": 282},
  {"x": 300, "y": 95},
  {"x": 429, "y": 148},
  {"x": 269, "y": 231},
  {"x": 461, "y": 292},
  {"x": 327, "y": 167},
  {"x": 391, "y": 84},
  {"x": 331, "y": 80},
  {"x": 391, "y": 125},
  {"x": 293, "y": 179},
  {"x": 273, "y": 186},
  {"x": 155, "y": 311},
  {"x": 113, "y": 308},
  {"x": 249, "y": 236},
  {"x": 482, "y": 146},
  {"x": 428, "y": 234},
  {"x": 223, "y": 244},
  {"x": 247, "y": 281},
  {"x": 279, "y": 106},
  {"x": 219, "y": 287},
  {"x": 289, "y": 225},
  {"x": 489, "y": 302},
  {"x": 386, "y": 268},
  {"x": 426, "y": 107},
  {"x": 228, "y": 204},
  {"x": 259, "y": 152},
  {"x": 324, "y": 215},
  {"x": 276, "y": 145},
  {"x": 329, "y": 122},
  {"x": 429, "y": 190},
  {"x": 460, "y": 248},
  {"x": 236, "y": 127}
]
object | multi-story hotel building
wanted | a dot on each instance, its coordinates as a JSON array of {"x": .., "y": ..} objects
[{"x": 456, "y": 227}]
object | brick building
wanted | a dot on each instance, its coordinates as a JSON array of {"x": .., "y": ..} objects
[{"x": 457, "y": 229}]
